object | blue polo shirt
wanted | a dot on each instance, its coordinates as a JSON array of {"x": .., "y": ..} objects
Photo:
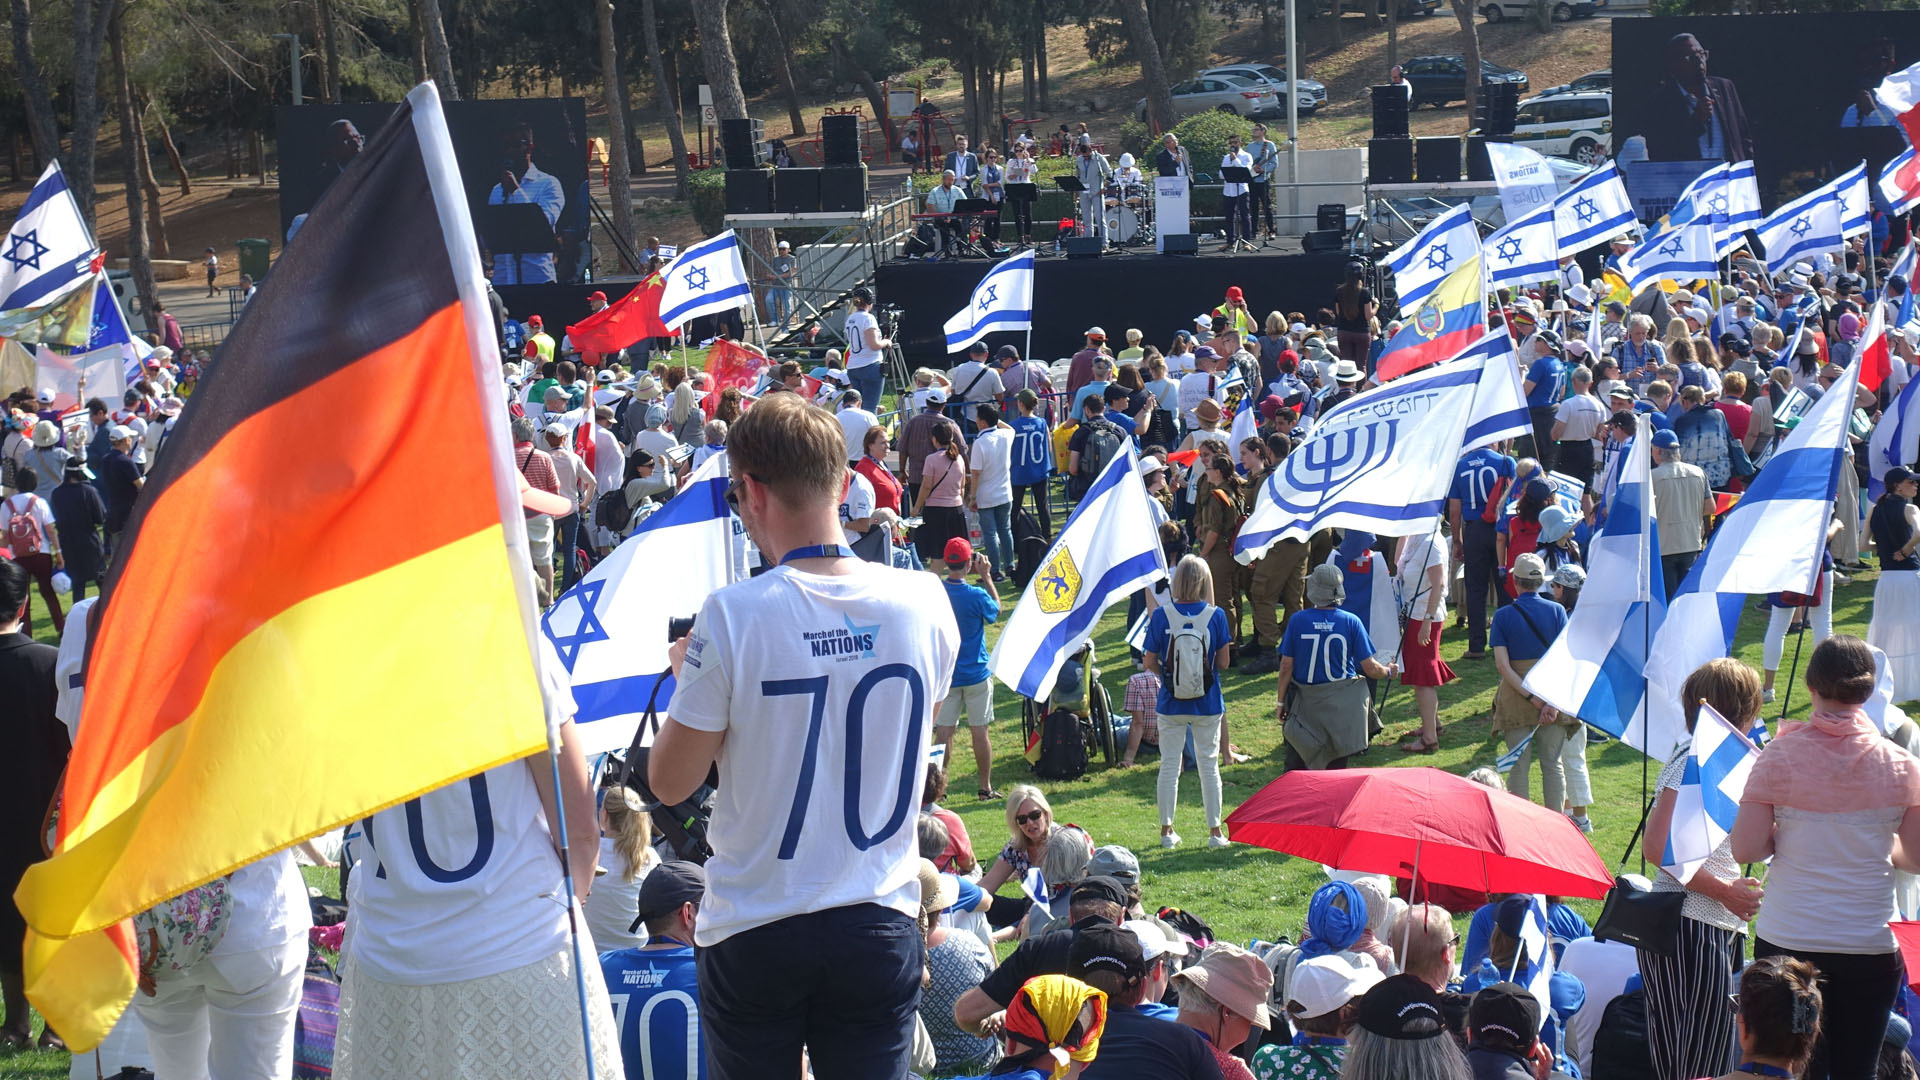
[
  {"x": 1474, "y": 479},
  {"x": 1528, "y": 625},
  {"x": 1160, "y": 641},
  {"x": 656, "y": 1000},
  {"x": 1545, "y": 377},
  {"x": 1325, "y": 644},
  {"x": 974, "y": 609}
]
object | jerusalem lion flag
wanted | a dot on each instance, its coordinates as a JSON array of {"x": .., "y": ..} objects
[{"x": 323, "y": 605}]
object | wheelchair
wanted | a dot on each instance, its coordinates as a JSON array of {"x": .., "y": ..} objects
[{"x": 1078, "y": 690}]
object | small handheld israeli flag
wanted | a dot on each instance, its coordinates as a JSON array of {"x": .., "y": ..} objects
[
  {"x": 1708, "y": 799},
  {"x": 1505, "y": 762}
]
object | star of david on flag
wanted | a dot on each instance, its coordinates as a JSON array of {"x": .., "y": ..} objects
[
  {"x": 28, "y": 242},
  {"x": 1422, "y": 263},
  {"x": 702, "y": 280},
  {"x": 1525, "y": 250},
  {"x": 1585, "y": 210},
  {"x": 1003, "y": 300},
  {"x": 1594, "y": 210},
  {"x": 1682, "y": 253},
  {"x": 1804, "y": 227}
]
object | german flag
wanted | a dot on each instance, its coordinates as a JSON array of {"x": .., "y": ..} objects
[{"x": 323, "y": 604}]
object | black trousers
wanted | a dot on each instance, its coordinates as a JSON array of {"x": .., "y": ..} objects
[
  {"x": 1263, "y": 205},
  {"x": 1045, "y": 513},
  {"x": 1022, "y": 217},
  {"x": 1480, "y": 557},
  {"x": 1542, "y": 448},
  {"x": 1575, "y": 458},
  {"x": 1857, "y": 990},
  {"x": 1239, "y": 222}
]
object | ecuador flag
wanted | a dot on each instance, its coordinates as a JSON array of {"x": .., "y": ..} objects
[
  {"x": 1451, "y": 317},
  {"x": 323, "y": 604}
]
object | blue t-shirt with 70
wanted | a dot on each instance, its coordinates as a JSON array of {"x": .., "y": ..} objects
[
  {"x": 1159, "y": 641},
  {"x": 1326, "y": 645},
  {"x": 973, "y": 609},
  {"x": 656, "y": 1004}
]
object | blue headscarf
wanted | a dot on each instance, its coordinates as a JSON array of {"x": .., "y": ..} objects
[{"x": 1330, "y": 929}]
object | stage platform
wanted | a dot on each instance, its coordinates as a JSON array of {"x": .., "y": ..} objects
[{"x": 1157, "y": 294}]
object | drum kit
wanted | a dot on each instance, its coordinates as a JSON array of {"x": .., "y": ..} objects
[{"x": 1129, "y": 212}]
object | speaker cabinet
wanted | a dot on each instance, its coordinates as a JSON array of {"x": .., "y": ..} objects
[
  {"x": 1390, "y": 161},
  {"x": 1330, "y": 216},
  {"x": 1180, "y": 244},
  {"x": 743, "y": 141},
  {"x": 1479, "y": 165},
  {"x": 1323, "y": 240},
  {"x": 796, "y": 191},
  {"x": 749, "y": 191},
  {"x": 1390, "y": 109},
  {"x": 843, "y": 188},
  {"x": 1438, "y": 159},
  {"x": 840, "y": 139}
]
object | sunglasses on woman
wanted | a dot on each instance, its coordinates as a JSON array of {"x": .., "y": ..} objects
[{"x": 1028, "y": 819}]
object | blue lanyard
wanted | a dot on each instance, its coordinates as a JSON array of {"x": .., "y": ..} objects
[
  {"x": 1758, "y": 1069},
  {"x": 1317, "y": 1040},
  {"x": 818, "y": 551}
]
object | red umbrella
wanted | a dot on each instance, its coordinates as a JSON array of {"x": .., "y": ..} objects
[
  {"x": 1392, "y": 821},
  {"x": 1907, "y": 935}
]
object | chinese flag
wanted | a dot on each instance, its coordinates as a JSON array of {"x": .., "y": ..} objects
[{"x": 633, "y": 318}]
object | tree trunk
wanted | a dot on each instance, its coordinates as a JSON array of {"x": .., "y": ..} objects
[
  {"x": 1040, "y": 50},
  {"x": 173, "y": 152},
  {"x": 329, "y": 49},
  {"x": 1470, "y": 45},
  {"x": 716, "y": 55},
  {"x": 1393, "y": 33},
  {"x": 143, "y": 168},
  {"x": 784, "y": 67},
  {"x": 619, "y": 169},
  {"x": 42, "y": 124},
  {"x": 257, "y": 155},
  {"x": 439, "y": 59},
  {"x": 91, "y": 18},
  {"x": 1269, "y": 28},
  {"x": 969, "y": 101},
  {"x": 1372, "y": 12},
  {"x": 1028, "y": 106},
  {"x": 1339, "y": 34},
  {"x": 417, "y": 36},
  {"x": 875, "y": 99},
  {"x": 668, "y": 91},
  {"x": 1152, "y": 72},
  {"x": 139, "y": 259}
]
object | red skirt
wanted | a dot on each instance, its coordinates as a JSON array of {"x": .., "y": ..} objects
[{"x": 1420, "y": 665}]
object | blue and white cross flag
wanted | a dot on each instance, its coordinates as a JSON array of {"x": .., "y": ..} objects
[
  {"x": 610, "y": 629},
  {"x": 705, "y": 278},
  {"x": 1002, "y": 301},
  {"x": 1381, "y": 461},
  {"x": 1593, "y": 211},
  {"x": 1708, "y": 798},
  {"x": 1442, "y": 247},
  {"x": 1856, "y": 201},
  {"x": 1109, "y": 548}
]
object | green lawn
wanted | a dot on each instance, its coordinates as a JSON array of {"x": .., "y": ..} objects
[{"x": 1246, "y": 892}]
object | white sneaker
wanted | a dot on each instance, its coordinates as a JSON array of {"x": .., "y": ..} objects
[
  {"x": 1218, "y": 842},
  {"x": 1766, "y": 696},
  {"x": 1581, "y": 822},
  {"x": 1170, "y": 840}
]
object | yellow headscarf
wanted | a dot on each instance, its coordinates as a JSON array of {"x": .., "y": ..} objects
[{"x": 1059, "y": 1015}]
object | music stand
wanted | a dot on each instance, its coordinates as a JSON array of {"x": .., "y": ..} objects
[
  {"x": 1069, "y": 183},
  {"x": 1236, "y": 174},
  {"x": 974, "y": 207},
  {"x": 515, "y": 229},
  {"x": 1027, "y": 191}
]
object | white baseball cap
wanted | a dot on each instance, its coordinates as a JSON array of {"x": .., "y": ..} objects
[
  {"x": 46, "y": 395},
  {"x": 1325, "y": 983},
  {"x": 936, "y": 396},
  {"x": 556, "y": 428},
  {"x": 1154, "y": 941}
]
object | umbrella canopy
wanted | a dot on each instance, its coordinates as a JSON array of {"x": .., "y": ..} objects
[{"x": 1462, "y": 833}]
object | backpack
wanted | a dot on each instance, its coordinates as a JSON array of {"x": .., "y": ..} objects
[
  {"x": 1620, "y": 1043},
  {"x": 1029, "y": 548},
  {"x": 1063, "y": 747},
  {"x": 24, "y": 534},
  {"x": 1189, "y": 661},
  {"x": 1104, "y": 440},
  {"x": 611, "y": 511},
  {"x": 179, "y": 932}
]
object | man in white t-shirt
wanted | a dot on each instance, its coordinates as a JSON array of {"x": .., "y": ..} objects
[
  {"x": 1202, "y": 383},
  {"x": 992, "y": 488},
  {"x": 854, "y": 419},
  {"x": 856, "y": 509},
  {"x": 866, "y": 347},
  {"x": 813, "y": 687},
  {"x": 976, "y": 379},
  {"x": 577, "y": 487}
]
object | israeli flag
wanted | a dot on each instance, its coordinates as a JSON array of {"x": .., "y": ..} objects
[
  {"x": 1806, "y": 226},
  {"x": 1524, "y": 250},
  {"x": 1900, "y": 182},
  {"x": 1422, "y": 263},
  {"x": 1002, "y": 301},
  {"x": 1593, "y": 211},
  {"x": 1109, "y": 548},
  {"x": 1680, "y": 252},
  {"x": 1381, "y": 461},
  {"x": 1769, "y": 542},
  {"x": 1505, "y": 762},
  {"x": 1500, "y": 405},
  {"x": 1704, "y": 198},
  {"x": 610, "y": 629},
  {"x": 1536, "y": 973},
  {"x": 1593, "y": 670},
  {"x": 705, "y": 278},
  {"x": 1708, "y": 798},
  {"x": 1895, "y": 439},
  {"x": 1903, "y": 268},
  {"x": 1856, "y": 201},
  {"x": 112, "y": 337},
  {"x": 1743, "y": 207},
  {"x": 49, "y": 252}
]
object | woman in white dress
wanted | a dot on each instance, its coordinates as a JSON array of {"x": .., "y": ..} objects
[{"x": 1895, "y": 628}]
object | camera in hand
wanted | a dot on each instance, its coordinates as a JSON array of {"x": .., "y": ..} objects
[{"x": 678, "y": 628}]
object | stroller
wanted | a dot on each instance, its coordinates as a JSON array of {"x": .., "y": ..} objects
[{"x": 1077, "y": 690}]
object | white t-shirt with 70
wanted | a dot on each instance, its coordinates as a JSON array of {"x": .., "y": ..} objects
[
  {"x": 858, "y": 354},
  {"x": 826, "y": 686}
]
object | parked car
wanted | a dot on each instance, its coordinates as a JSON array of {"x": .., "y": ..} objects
[
  {"x": 1395, "y": 221},
  {"x": 1563, "y": 10},
  {"x": 1227, "y": 93},
  {"x": 1311, "y": 94},
  {"x": 1588, "y": 83},
  {"x": 1407, "y": 7},
  {"x": 1577, "y": 126},
  {"x": 1437, "y": 80}
]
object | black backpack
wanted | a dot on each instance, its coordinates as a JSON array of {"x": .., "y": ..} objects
[
  {"x": 1029, "y": 548},
  {"x": 611, "y": 510},
  {"x": 682, "y": 825},
  {"x": 1104, "y": 440},
  {"x": 1063, "y": 747},
  {"x": 1620, "y": 1044}
]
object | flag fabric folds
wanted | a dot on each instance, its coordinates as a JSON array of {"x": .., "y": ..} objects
[
  {"x": 1875, "y": 351},
  {"x": 1769, "y": 542},
  {"x": 1899, "y": 94},
  {"x": 628, "y": 320},
  {"x": 1448, "y": 320},
  {"x": 1002, "y": 301},
  {"x": 1524, "y": 250},
  {"x": 1680, "y": 253},
  {"x": 1440, "y": 249},
  {"x": 236, "y": 704},
  {"x": 610, "y": 628},
  {"x": 1806, "y": 226},
  {"x": 1708, "y": 798},
  {"x": 705, "y": 278},
  {"x": 1523, "y": 177},
  {"x": 1895, "y": 439},
  {"x": 1856, "y": 201},
  {"x": 1704, "y": 198},
  {"x": 1593, "y": 670},
  {"x": 1743, "y": 206},
  {"x": 1381, "y": 461},
  {"x": 1500, "y": 406},
  {"x": 1108, "y": 548},
  {"x": 1536, "y": 971},
  {"x": 48, "y": 252},
  {"x": 1900, "y": 182},
  {"x": 1594, "y": 210}
]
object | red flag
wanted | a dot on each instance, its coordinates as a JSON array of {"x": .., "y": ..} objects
[
  {"x": 731, "y": 364},
  {"x": 635, "y": 317},
  {"x": 1876, "y": 355},
  {"x": 1900, "y": 94}
]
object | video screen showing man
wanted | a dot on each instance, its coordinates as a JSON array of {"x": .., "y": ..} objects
[
  {"x": 1695, "y": 116},
  {"x": 521, "y": 181},
  {"x": 343, "y": 143}
]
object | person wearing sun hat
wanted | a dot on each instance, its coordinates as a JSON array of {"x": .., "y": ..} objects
[
  {"x": 1400, "y": 1033},
  {"x": 1050, "y": 1031},
  {"x": 1223, "y": 996},
  {"x": 1322, "y": 999}
]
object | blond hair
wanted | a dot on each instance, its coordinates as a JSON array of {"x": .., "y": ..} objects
[
  {"x": 631, "y": 830},
  {"x": 794, "y": 448},
  {"x": 1192, "y": 580},
  {"x": 1017, "y": 796}
]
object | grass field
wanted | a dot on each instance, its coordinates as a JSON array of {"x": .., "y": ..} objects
[{"x": 1247, "y": 892}]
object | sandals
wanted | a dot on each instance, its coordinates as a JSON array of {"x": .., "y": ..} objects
[
  {"x": 1415, "y": 745},
  {"x": 986, "y": 796},
  {"x": 50, "y": 1041}
]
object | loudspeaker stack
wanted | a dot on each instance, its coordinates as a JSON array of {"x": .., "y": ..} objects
[
  {"x": 1390, "y": 151},
  {"x": 840, "y": 139},
  {"x": 1494, "y": 113},
  {"x": 1438, "y": 159},
  {"x": 843, "y": 180},
  {"x": 1390, "y": 109},
  {"x": 743, "y": 148}
]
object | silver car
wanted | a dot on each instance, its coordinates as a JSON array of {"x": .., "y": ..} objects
[
  {"x": 1227, "y": 93},
  {"x": 1311, "y": 94}
]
